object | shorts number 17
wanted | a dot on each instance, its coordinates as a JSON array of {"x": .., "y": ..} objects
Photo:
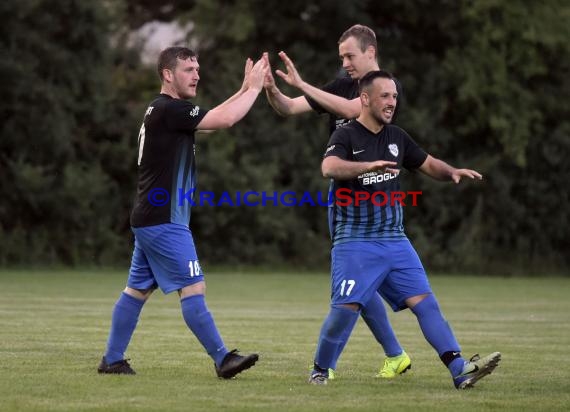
[{"x": 343, "y": 285}]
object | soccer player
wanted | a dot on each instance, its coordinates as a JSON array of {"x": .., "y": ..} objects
[
  {"x": 358, "y": 50},
  {"x": 164, "y": 254},
  {"x": 370, "y": 249}
]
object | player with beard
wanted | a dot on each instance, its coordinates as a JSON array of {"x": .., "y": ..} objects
[{"x": 370, "y": 250}]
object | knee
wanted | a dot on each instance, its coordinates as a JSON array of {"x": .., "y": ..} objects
[
  {"x": 142, "y": 294},
  {"x": 191, "y": 290},
  {"x": 355, "y": 307},
  {"x": 414, "y": 300}
]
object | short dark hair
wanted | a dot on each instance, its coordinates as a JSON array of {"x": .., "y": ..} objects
[
  {"x": 369, "y": 78},
  {"x": 363, "y": 34},
  {"x": 168, "y": 57}
]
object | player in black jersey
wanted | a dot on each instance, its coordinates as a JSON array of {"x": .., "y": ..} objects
[
  {"x": 357, "y": 48},
  {"x": 370, "y": 249},
  {"x": 164, "y": 255}
]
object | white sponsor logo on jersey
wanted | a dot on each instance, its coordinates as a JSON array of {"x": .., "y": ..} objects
[
  {"x": 370, "y": 178},
  {"x": 330, "y": 148},
  {"x": 338, "y": 123},
  {"x": 194, "y": 112}
]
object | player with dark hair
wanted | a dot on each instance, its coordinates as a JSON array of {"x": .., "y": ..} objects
[
  {"x": 357, "y": 48},
  {"x": 370, "y": 250},
  {"x": 164, "y": 254}
]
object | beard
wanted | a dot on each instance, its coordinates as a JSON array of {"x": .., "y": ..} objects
[
  {"x": 382, "y": 120},
  {"x": 185, "y": 95},
  {"x": 184, "y": 91}
]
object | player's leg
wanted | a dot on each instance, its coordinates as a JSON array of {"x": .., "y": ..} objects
[
  {"x": 126, "y": 312},
  {"x": 172, "y": 256},
  {"x": 176, "y": 267},
  {"x": 349, "y": 291},
  {"x": 337, "y": 326},
  {"x": 409, "y": 286},
  {"x": 340, "y": 347},
  {"x": 200, "y": 321},
  {"x": 376, "y": 318},
  {"x": 374, "y": 314},
  {"x": 436, "y": 330},
  {"x": 439, "y": 334},
  {"x": 397, "y": 360}
]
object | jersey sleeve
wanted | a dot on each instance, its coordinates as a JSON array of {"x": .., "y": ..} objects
[
  {"x": 414, "y": 155},
  {"x": 338, "y": 145},
  {"x": 183, "y": 115},
  {"x": 331, "y": 88}
]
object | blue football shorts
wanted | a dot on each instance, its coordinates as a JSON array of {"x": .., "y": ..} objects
[
  {"x": 391, "y": 267},
  {"x": 164, "y": 256}
]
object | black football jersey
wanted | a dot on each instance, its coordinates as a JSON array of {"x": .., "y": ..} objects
[
  {"x": 370, "y": 219},
  {"x": 166, "y": 162}
]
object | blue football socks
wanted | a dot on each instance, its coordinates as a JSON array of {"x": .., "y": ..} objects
[
  {"x": 123, "y": 323},
  {"x": 438, "y": 333},
  {"x": 338, "y": 322},
  {"x": 343, "y": 341},
  {"x": 375, "y": 316},
  {"x": 201, "y": 323}
]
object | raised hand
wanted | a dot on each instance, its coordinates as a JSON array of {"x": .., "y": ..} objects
[
  {"x": 246, "y": 71},
  {"x": 257, "y": 74},
  {"x": 292, "y": 76},
  {"x": 269, "y": 81}
]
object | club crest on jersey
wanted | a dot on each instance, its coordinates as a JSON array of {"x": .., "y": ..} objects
[
  {"x": 393, "y": 148},
  {"x": 194, "y": 111}
]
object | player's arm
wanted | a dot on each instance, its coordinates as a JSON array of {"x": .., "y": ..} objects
[
  {"x": 285, "y": 105},
  {"x": 245, "y": 83},
  {"x": 282, "y": 104},
  {"x": 336, "y": 168},
  {"x": 243, "y": 88},
  {"x": 340, "y": 106},
  {"x": 439, "y": 170},
  {"x": 236, "y": 107}
]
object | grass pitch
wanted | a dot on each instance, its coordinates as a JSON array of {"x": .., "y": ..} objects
[{"x": 54, "y": 325}]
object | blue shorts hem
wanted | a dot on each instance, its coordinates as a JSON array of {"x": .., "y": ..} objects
[
  {"x": 174, "y": 288},
  {"x": 401, "y": 305}
]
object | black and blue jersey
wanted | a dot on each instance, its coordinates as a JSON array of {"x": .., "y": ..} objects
[
  {"x": 350, "y": 219},
  {"x": 166, "y": 162}
]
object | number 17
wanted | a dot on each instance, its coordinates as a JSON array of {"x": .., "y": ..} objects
[{"x": 350, "y": 284}]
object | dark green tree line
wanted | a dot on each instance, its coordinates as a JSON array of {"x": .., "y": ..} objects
[
  {"x": 484, "y": 86},
  {"x": 54, "y": 73}
]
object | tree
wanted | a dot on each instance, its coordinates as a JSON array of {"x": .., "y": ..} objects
[
  {"x": 58, "y": 201},
  {"x": 484, "y": 86},
  {"x": 487, "y": 95}
]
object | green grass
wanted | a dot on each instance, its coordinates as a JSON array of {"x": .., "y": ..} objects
[{"x": 53, "y": 329}]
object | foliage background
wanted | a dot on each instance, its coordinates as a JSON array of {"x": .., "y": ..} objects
[{"x": 486, "y": 86}]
